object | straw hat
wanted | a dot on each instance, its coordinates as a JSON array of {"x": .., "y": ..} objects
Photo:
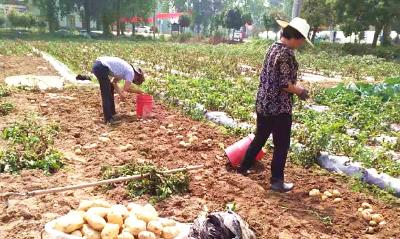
[{"x": 299, "y": 24}]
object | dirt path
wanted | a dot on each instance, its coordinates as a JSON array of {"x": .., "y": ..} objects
[{"x": 272, "y": 215}]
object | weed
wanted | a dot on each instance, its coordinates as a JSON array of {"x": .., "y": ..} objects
[
  {"x": 30, "y": 146},
  {"x": 4, "y": 91},
  {"x": 157, "y": 185},
  {"x": 6, "y": 108}
]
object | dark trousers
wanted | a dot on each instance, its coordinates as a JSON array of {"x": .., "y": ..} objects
[
  {"x": 280, "y": 127},
  {"x": 107, "y": 90}
]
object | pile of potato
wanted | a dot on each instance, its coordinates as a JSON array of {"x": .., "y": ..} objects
[
  {"x": 375, "y": 220},
  {"x": 98, "y": 219},
  {"x": 335, "y": 194}
]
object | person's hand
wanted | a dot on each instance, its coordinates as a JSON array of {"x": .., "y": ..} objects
[
  {"x": 304, "y": 94},
  {"x": 122, "y": 97}
]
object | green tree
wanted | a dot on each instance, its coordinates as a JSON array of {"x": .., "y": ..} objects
[
  {"x": 50, "y": 10},
  {"x": 42, "y": 25},
  {"x": 21, "y": 19},
  {"x": 247, "y": 19},
  {"x": 202, "y": 13},
  {"x": 356, "y": 16},
  {"x": 184, "y": 21},
  {"x": 270, "y": 17},
  {"x": 181, "y": 5},
  {"x": 317, "y": 13},
  {"x": 68, "y": 6},
  {"x": 13, "y": 18},
  {"x": 256, "y": 10},
  {"x": 233, "y": 19},
  {"x": 2, "y": 21}
]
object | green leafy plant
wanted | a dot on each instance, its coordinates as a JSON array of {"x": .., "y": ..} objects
[
  {"x": 6, "y": 108},
  {"x": 4, "y": 91},
  {"x": 30, "y": 146},
  {"x": 157, "y": 185}
]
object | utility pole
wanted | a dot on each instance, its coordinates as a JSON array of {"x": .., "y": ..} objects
[{"x": 296, "y": 8}]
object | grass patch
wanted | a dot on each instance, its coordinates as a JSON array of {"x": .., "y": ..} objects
[
  {"x": 157, "y": 185},
  {"x": 4, "y": 91},
  {"x": 6, "y": 108},
  {"x": 384, "y": 195},
  {"x": 30, "y": 146}
]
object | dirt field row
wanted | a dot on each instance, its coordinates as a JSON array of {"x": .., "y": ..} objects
[{"x": 78, "y": 111}]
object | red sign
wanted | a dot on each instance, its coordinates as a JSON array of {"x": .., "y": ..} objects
[{"x": 160, "y": 15}]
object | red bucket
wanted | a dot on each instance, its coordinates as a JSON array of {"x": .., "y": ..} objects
[
  {"x": 144, "y": 106},
  {"x": 237, "y": 151}
]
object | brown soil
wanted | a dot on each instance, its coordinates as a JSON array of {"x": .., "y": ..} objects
[
  {"x": 24, "y": 65},
  {"x": 271, "y": 215}
]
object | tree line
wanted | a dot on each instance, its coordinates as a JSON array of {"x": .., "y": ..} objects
[{"x": 354, "y": 17}]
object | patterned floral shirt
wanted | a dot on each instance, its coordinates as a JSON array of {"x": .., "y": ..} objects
[{"x": 280, "y": 68}]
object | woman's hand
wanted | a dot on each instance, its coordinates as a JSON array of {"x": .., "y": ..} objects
[{"x": 304, "y": 94}]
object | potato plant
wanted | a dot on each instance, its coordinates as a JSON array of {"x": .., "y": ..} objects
[
  {"x": 30, "y": 146},
  {"x": 14, "y": 48},
  {"x": 6, "y": 108},
  {"x": 157, "y": 185},
  {"x": 193, "y": 76}
]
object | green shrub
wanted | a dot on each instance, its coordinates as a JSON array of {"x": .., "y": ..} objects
[
  {"x": 157, "y": 185},
  {"x": 6, "y": 108},
  {"x": 182, "y": 37},
  {"x": 4, "y": 91},
  {"x": 30, "y": 146}
]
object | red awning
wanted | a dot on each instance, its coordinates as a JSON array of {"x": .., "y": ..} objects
[
  {"x": 169, "y": 15},
  {"x": 135, "y": 19},
  {"x": 160, "y": 15}
]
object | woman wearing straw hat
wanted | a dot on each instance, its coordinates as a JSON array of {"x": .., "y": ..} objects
[{"x": 275, "y": 99}]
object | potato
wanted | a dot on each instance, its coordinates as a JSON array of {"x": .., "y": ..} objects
[
  {"x": 370, "y": 230},
  {"x": 134, "y": 207},
  {"x": 366, "y": 205},
  {"x": 95, "y": 221},
  {"x": 165, "y": 222},
  {"x": 368, "y": 210},
  {"x": 69, "y": 223},
  {"x": 84, "y": 205},
  {"x": 373, "y": 223},
  {"x": 148, "y": 213},
  {"x": 77, "y": 213},
  {"x": 314, "y": 193},
  {"x": 120, "y": 209},
  {"x": 328, "y": 194},
  {"x": 110, "y": 231},
  {"x": 324, "y": 197},
  {"x": 382, "y": 224},
  {"x": 76, "y": 233},
  {"x": 155, "y": 226},
  {"x": 170, "y": 232},
  {"x": 336, "y": 193},
  {"x": 115, "y": 218},
  {"x": 360, "y": 209},
  {"x": 125, "y": 235},
  {"x": 101, "y": 203},
  {"x": 99, "y": 211},
  {"x": 90, "y": 233},
  {"x": 134, "y": 226},
  {"x": 123, "y": 148},
  {"x": 337, "y": 200},
  {"x": 377, "y": 218},
  {"x": 146, "y": 235},
  {"x": 366, "y": 215}
]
